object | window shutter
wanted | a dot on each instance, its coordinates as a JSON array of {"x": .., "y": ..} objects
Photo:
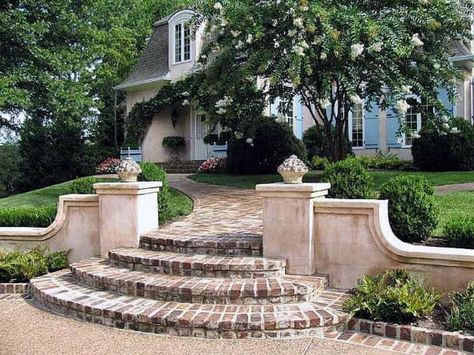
[
  {"x": 371, "y": 126},
  {"x": 444, "y": 98},
  {"x": 298, "y": 111},
  {"x": 274, "y": 107},
  {"x": 392, "y": 128}
]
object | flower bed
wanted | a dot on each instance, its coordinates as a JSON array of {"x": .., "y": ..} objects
[
  {"x": 213, "y": 165},
  {"x": 108, "y": 166}
]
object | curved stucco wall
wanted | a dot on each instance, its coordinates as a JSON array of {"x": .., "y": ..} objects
[{"x": 353, "y": 238}]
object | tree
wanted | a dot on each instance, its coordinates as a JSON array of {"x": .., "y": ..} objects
[{"x": 339, "y": 53}]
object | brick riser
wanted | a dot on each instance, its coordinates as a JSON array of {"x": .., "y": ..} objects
[
  {"x": 98, "y": 274},
  {"x": 58, "y": 292}
]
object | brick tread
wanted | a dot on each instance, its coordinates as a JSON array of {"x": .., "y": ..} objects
[
  {"x": 197, "y": 264},
  {"x": 100, "y": 274},
  {"x": 230, "y": 244},
  {"x": 59, "y": 293}
]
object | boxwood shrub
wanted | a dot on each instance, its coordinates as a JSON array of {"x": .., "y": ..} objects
[
  {"x": 459, "y": 232},
  {"x": 412, "y": 210},
  {"x": 83, "y": 185},
  {"x": 348, "y": 179},
  {"x": 392, "y": 296},
  {"x": 153, "y": 172},
  {"x": 27, "y": 216}
]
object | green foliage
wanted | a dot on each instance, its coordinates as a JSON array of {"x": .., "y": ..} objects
[
  {"x": 442, "y": 150},
  {"x": 173, "y": 143},
  {"x": 461, "y": 315},
  {"x": 349, "y": 179},
  {"x": 319, "y": 144},
  {"x": 18, "y": 266},
  {"x": 337, "y": 53},
  {"x": 411, "y": 207},
  {"x": 9, "y": 168},
  {"x": 83, "y": 185},
  {"x": 392, "y": 296},
  {"x": 153, "y": 172},
  {"x": 319, "y": 163},
  {"x": 384, "y": 161},
  {"x": 459, "y": 232},
  {"x": 219, "y": 139},
  {"x": 27, "y": 216},
  {"x": 271, "y": 143}
]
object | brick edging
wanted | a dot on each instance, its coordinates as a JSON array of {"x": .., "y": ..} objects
[
  {"x": 15, "y": 288},
  {"x": 451, "y": 340}
]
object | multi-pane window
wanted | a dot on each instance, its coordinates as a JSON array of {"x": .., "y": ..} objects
[
  {"x": 201, "y": 126},
  {"x": 286, "y": 109},
  {"x": 412, "y": 120},
  {"x": 182, "y": 42},
  {"x": 357, "y": 131}
]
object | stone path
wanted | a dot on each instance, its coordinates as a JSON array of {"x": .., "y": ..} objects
[{"x": 445, "y": 189}]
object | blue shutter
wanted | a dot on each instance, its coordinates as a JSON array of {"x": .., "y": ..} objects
[
  {"x": 392, "y": 128},
  {"x": 274, "y": 107},
  {"x": 299, "y": 116},
  {"x": 371, "y": 126},
  {"x": 444, "y": 98}
]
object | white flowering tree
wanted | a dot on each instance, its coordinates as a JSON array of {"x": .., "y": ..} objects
[{"x": 335, "y": 54}]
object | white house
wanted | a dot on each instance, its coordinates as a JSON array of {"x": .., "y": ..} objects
[{"x": 173, "y": 52}]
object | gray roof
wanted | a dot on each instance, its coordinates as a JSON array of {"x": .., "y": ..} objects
[
  {"x": 458, "y": 49},
  {"x": 153, "y": 64}
]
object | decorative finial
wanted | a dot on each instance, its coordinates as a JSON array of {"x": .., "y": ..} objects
[
  {"x": 128, "y": 170},
  {"x": 292, "y": 170}
]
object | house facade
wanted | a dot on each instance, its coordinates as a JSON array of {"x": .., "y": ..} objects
[{"x": 173, "y": 52}]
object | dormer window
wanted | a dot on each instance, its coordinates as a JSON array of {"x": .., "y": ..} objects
[{"x": 182, "y": 42}]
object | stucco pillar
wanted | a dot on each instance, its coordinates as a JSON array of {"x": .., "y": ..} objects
[
  {"x": 288, "y": 223},
  {"x": 126, "y": 211}
]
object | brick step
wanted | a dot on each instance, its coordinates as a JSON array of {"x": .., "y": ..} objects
[
  {"x": 237, "y": 267},
  {"x": 98, "y": 273},
  {"x": 242, "y": 244},
  {"x": 59, "y": 293}
]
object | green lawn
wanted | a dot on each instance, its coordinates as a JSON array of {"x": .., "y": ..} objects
[
  {"x": 180, "y": 204},
  {"x": 452, "y": 205},
  {"x": 249, "y": 181}
]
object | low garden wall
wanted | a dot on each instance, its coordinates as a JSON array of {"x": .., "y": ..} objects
[
  {"x": 91, "y": 225},
  {"x": 348, "y": 239}
]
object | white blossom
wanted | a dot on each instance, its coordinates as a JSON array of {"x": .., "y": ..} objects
[
  {"x": 325, "y": 102},
  {"x": 376, "y": 47},
  {"x": 249, "y": 38},
  {"x": 235, "y": 33},
  {"x": 304, "y": 8},
  {"x": 218, "y": 6},
  {"x": 274, "y": 22},
  {"x": 356, "y": 50},
  {"x": 185, "y": 94},
  {"x": 445, "y": 125},
  {"x": 203, "y": 56},
  {"x": 402, "y": 107},
  {"x": 221, "y": 111},
  {"x": 416, "y": 41},
  {"x": 291, "y": 33},
  {"x": 436, "y": 66},
  {"x": 298, "y": 22},
  {"x": 406, "y": 89},
  {"x": 415, "y": 135},
  {"x": 226, "y": 101},
  {"x": 455, "y": 130},
  {"x": 240, "y": 45},
  {"x": 186, "y": 102},
  {"x": 238, "y": 135},
  {"x": 280, "y": 118},
  {"x": 356, "y": 99},
  {"x": 445, "y": 119},
  {"x": 323, "y": 56},
  {"x": 276, "y": 44},
  {"x": 249, "y": 141}
]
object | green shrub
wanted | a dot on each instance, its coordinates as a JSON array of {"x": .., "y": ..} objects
[
  {"x": 173, "y": 142},
  {"x": 392, "y": 296},
  {"x": 384, "y": 161},
  {"x": 83, "y": 186},
  {"x": 153, "y": 172},
  {"x": 314, "y": 138},
  {"x": 349, "y": 179},
  {"x": 9, "y": 168},
  {"x": 271, "y": 143},
  {"x": 27, "y": 216},
  {"x": 435, "y": 151},
  {"x": 319, "y": 163},
  {"x": 19, "y": 266},
  {"x": 459, "y": 232},
  {"x": 461, "y": 315},
  {"x": 411, "y": 206}
]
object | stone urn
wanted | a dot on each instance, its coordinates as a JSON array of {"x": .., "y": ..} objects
[
  {"x": 292, "y": 170},
  {"x": 128, "y": 170}
]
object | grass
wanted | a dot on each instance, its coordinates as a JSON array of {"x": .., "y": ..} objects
[
  {"x": 249, "y": 181},
  {"x": 452, "y": 205},
  {"x": 180, "y": 204}
]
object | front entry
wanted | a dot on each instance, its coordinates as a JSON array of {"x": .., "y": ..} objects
[{"x": 200, "y": 130}]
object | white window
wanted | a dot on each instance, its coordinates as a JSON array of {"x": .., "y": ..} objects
[
  {"x": 413, "y": 121},
  {"x": 182, "y": 42},
  {"x": 201, "y": 126},
  {"x": 356, "y": 126},
  {"x": 285, "y": 108}
]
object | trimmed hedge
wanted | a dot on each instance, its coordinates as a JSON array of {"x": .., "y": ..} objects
[
  {"x": 349, "y": 179},
  {"x": 84, "y": 185},
  {"x": 412, "y": 210},
  {"x": 153, "y": 172},
  {"x": 272, "y": 143},
  {"x": 435, "y": 151},
  {"x": 27, "y": 216},
  {"x": 459, "y": 232}
]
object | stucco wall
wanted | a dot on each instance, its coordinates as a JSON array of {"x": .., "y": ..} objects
[{"x": 138, "y": 96}]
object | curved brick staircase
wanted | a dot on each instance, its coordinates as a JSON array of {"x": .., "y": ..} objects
[{"x": 213, "y": 286}]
